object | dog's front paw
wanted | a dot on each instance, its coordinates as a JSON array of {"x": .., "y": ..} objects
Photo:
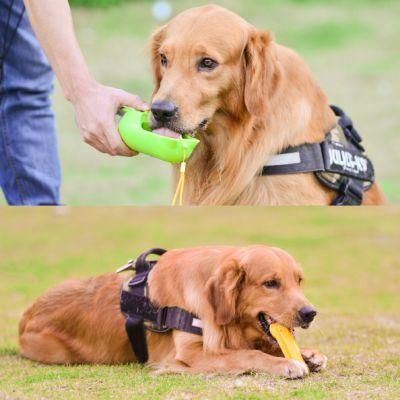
[
  {"x": 292, "y": 369},
  {"x": 315, "y": 360}
]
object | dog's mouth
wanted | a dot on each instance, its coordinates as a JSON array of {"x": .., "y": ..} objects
[
  {"x": 167, "y": 132},
  {"x": 175, "y": 132},
  {"x": 265, "y": 321}
]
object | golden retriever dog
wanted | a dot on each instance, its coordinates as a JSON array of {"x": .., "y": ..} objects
[
  {"x": 226, "y": 287},
  {"x": 247, "y": 99}
]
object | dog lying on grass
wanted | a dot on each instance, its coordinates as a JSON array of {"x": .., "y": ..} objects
[
  {"x": 80, "y": 322},
  {"x": 247, "y": 99}
]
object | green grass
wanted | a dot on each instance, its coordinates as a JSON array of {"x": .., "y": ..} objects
[
  {"x": 351, "y": 46},
  {"x": 352, "y": 268}
]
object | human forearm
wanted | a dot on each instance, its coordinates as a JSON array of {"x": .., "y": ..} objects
[
  {"x": 52, "y": 23},
  {"x": 95, "y": 105}
]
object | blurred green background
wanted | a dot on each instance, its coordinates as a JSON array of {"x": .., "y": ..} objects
[
  {"x": 352, "y": 47},
  {"x": 352, "y": 272}
]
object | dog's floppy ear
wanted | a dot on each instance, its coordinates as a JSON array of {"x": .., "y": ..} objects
[
  {"x": 223, "y": 290},
  {"x": 262, "y": 72},
  {"x": 156, "y": 41}
]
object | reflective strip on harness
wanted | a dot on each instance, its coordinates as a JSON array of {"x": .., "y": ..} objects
[
  {"x": 285, "y": 159},
  {"x": 308, "y": 156}
]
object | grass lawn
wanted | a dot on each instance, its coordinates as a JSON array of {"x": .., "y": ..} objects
[
  {"x": 352, "y": 47},
  {"x": 352, "y": 267}
]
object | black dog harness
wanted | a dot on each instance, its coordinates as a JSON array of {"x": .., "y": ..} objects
[
  {"x": 142, "y": 314},
  {"x": 338, "y": 162}
]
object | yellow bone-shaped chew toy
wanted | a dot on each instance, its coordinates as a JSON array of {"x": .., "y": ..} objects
[{"x": 286, "y": 342}]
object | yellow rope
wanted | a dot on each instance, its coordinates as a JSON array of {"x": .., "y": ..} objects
[
  {"x": 180, "y": 187},
  {"x": 181, "y": 183}
]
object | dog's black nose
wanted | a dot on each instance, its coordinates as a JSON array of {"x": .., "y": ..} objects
[
  {"x": 164, "y": 111},
  {"x": 307, "y": 314}
]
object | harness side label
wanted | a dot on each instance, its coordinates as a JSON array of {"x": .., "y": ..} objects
[{"x": 339, "y": 159}]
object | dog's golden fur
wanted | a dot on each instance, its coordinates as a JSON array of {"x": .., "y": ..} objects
[
  {"x": 261, "y": 99},
  {"x": 81, "y": 322}
]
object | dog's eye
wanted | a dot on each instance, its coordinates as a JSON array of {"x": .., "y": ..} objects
[
  {"x": 163, "y": 60},
  {"x": 207, "y": 64},
  {"x": 272, "y": 284}
]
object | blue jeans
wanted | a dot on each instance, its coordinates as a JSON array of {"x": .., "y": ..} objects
[{"x": 29, "y": 164}]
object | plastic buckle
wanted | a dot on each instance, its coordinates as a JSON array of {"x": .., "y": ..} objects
[
  {"x": 350, "y": 194},
  {"x": 159, "y": 326}
]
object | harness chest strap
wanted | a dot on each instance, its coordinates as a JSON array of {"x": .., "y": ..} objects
[
  {"x": 327, "y": 156},
  {"x": 142, "y": 314}
]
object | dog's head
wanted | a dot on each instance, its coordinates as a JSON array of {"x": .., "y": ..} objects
[
  {"x": 259, "y": 282},
  {"x": 206, "y": 61}
]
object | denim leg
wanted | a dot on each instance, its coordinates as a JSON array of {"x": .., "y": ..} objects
[{"x": 29, "y": 164}]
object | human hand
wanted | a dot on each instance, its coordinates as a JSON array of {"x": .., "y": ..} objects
[{"x": 95, "y": 110}]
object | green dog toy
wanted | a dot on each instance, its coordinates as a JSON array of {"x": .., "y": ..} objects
[{"x": 136, "y": 133}]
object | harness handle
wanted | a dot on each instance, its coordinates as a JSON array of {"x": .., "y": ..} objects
[{"x": 142, "y": 264}]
